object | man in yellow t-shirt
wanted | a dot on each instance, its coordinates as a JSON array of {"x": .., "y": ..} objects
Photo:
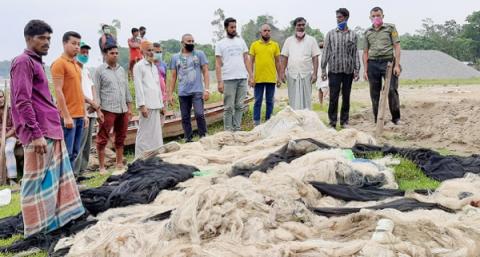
[{"x": 265, "y": 57}]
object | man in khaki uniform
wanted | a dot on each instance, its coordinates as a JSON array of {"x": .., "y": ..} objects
[{"x": 382, "y": 45}]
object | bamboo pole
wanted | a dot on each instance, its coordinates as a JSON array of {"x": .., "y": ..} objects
[
  {"x": 382, "y": 105},
  {"x": 3, "y": 174}
]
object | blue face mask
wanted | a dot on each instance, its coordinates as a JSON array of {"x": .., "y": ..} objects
[
  {"x": 83, "y": 59},
  {"x": 158, "y": 56},
  {"x": 342, "y": 25}
]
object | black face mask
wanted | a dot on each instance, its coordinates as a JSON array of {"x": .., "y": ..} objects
[
  {"x": 265, "y": 38},
  {"x": 189, "y": 47}
]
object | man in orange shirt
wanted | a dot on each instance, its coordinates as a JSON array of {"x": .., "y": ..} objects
[
  {"x": 135, "y": 52},
  {"x": 67, "y": 79}
]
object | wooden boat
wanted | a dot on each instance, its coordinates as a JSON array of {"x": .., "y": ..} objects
[{"x": 173, "y": 122}]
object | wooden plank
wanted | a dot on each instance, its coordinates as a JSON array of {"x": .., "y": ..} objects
[
  {"x": 382, "y": 105},
  {"x": 173, "y": 126},
  {"x": 3, "y": 170}
]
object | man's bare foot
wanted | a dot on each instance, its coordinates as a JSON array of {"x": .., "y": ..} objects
[{"x": 103, "y": 171}]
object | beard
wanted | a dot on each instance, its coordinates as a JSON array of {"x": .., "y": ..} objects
[
  {"x": 232, "y": 35},
  {"x": 265, "y": 38}
]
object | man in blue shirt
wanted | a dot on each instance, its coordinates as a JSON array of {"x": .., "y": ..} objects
[{"x": 188, "y": 66}]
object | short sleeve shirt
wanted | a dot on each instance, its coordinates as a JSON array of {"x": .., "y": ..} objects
[
  {"x": 380, "y": 42},
  {"x": 68, "y": 70},
  {"x": 265, "y": 70},
  {"x": 231, "y": 51},
  {"x": 189, "y": 72},
  {"x": 300, "y": 54}
]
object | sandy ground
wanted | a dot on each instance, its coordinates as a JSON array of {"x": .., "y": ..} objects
[{"x": 445, "y": 118}]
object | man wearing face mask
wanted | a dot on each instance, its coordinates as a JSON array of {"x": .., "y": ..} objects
[
  {"x": 162, "y": 70},
  {"x": 300, "y": 57},
  {"x": 265, "y": 57},
  {"x": 93, "y": 109},
  {"x": 190, "y": 66},
  {"x": 107, "y": 38},
  {"x": 382, "y": 45},
  {"x": 149, "y": 102},
  {"x": 232, "y": 69},
  {"x": 341, "y": 55},
  {"x": 67, "y": 79}
]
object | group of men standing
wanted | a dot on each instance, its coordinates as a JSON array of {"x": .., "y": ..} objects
[
  {"x": 56, "y": 136},
  {"x": 264, "y": 66}
]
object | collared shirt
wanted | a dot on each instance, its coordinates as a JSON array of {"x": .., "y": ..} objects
[
  {"x": 340, "y": 52},
  {"x": 33, "y": 111},
  {"x": 380, "y": 42},
  {"x": 87, "y": 85},
  {"x": 300, "y": 54},
  {"x": 148, "y": 91},
  {"x": 265, "y": 53},
  {"x": 111, "y": 86},
  {"x": 67, "y": 70}
]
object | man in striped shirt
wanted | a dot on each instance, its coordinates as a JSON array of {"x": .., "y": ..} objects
[
  {"x": 113, "y": 96},
  {"x": 341, "y": 55}
]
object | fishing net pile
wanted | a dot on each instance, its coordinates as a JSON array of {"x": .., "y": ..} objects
[{"x": 290, "y": 187}]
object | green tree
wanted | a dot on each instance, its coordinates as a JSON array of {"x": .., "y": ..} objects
[
  {"x": 251, "y": 30},
  {"x": 316, "y": 33},
  {"x": 471, "y": 31},
  {"x": 360, "y": 36},
  {"x": 449, "y": 37},
  {"x": 217, "y": 23}
]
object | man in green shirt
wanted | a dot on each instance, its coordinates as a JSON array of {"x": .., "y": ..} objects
[{"x": 382, "y": 45}]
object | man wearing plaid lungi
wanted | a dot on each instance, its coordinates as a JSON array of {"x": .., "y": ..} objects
[{"x": 49, "y": 195}]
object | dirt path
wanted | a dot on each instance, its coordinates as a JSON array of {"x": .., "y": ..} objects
[{"x": 445, "y": 118}]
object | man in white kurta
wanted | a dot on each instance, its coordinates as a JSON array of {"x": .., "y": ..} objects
[
  {"x": 300, "y": 57},
  {"x": 149, "y": 102}
]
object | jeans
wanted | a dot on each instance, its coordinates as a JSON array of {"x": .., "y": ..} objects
[
  {"x": 83, "y": 156},
  {"x": 186, "y": 103},
  {"x": 376, "y": 72},
  {"x": 73, "y": 139},
  {"x": 234, "y": 94},
  {"x": 339, "y": 82},
  {"x": 269, "y": 89}
]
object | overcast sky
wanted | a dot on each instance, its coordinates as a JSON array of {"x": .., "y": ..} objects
[{"x": 171, "y": 19}]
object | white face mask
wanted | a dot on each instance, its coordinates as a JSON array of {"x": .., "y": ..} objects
[{"x": 106, "y": 31}]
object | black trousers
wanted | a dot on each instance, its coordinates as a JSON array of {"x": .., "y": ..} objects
[
  {"x": 339, "y": 82},
  {"x": 186, "y": 103},
  {"x": 377, "y": 70}
]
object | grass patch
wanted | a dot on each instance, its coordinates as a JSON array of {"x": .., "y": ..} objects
[
  {"x": 11, "y": 209},
  {"x": 96, "y": 179},
  {"x": 407, "y": 175},
  {"x": 445, "y": 151},
  {"x": 410, "y": 177},
  {"x": 38, "y": 254}
]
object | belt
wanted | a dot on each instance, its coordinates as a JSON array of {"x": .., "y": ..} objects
[{"x": 389, "y": 59}]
